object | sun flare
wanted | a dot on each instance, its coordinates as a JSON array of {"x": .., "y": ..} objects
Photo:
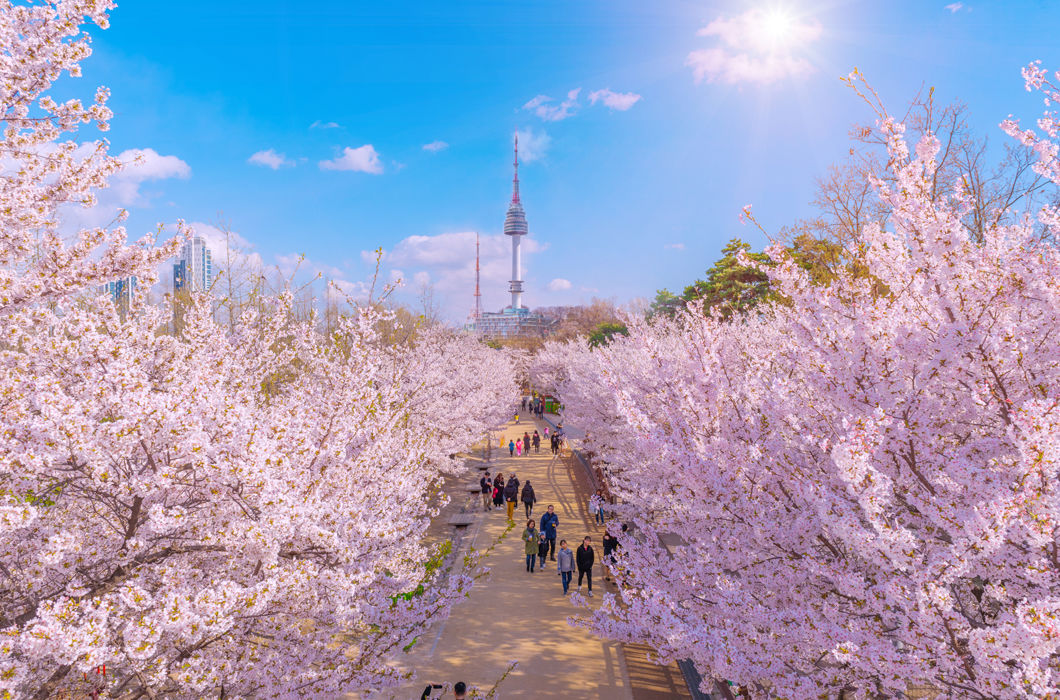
[{"x": 775, "y": 32}]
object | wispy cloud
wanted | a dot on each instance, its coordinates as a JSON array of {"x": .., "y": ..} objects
[
  {"x": 547, "y": 108},
  {"x": 270, "y": 159},
  {"x": 618, "y": 101},
  {"x": 447, "y": 261},
  {"x": 435, "y": 146},
  {"x": 747, "y": 54},
  {"x": 125, "y": 188},
  {"x": 324, "y": 125},
  {"x": 362, "y": 159},
  {"x": 955, "y": 7},
  {"x": 674, "y": 246},
  {"x": 559, "y": 285},
  {"x": 533, "y": 145}
]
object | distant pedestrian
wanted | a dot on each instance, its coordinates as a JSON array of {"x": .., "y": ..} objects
[
  {"x": 542, "y": 550},
  {"x": 511, "y": 495},
  {"x": 610, "y": 543},
  {"x": 530, "y": 545},
  {"x": 537, "y": 442},
  {"x": 585, "y": 557},
  {"x": 498, "y": 492},
  {"x": 549, "y": 523},
  {"x": 555, "y": 445},
  {"x": 511, "y": 448},
  {"x": 486, "y": 485},
  {"x": 546, "y": 431},
  {"x": 524, "y": 403},
  {"x": 596, "y": 507},
  {"x": 519, "y": 447},
  {"x": 526, "y": 443},
  {"x": 529, "y": 499},
  {"x": 565, "y": 565}
]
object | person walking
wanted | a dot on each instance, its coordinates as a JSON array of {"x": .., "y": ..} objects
[
  {"x": 511, "y": 448},
  {"x": 549, "y": 523},
  {"x": 542, "y": 550},
  {"x": 511, "y": 495},
  {"x": 526, "y": 444},
  {"x": 529, "y": 499},
  {"x": 546, "y": 431},
  {"x": 537, "y": 442},
  {"x": 585, "y": 557},
  {"x": 596, "y": 507},
  {"x": 610, "y": 543},
  {"x": 486, "y": 485},
  {"x": 530, "y": 545},
  {"x": 565, "y": 565}
]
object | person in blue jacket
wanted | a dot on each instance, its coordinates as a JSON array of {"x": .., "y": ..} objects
[{"x": 549, "y": 523}]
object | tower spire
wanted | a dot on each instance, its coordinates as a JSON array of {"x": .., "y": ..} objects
[
  {"x": 478, "y": 294},
  {"x": 515, "y": 180}
]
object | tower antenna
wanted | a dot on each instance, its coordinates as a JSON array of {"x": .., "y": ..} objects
[{"x": 478, "y": 293}]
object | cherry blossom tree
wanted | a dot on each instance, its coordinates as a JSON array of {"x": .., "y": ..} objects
[
  {"x": 858, "y": 482},
  {"x": 232, "y": 510}
]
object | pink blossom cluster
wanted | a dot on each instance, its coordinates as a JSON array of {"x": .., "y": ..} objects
[
  {"x": 856, "y": 486},
  {"x": 232, "y": 511}
]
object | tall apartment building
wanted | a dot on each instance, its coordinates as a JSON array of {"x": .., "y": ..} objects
[
  {"x": 120, "y": 291},
  {"x": 193, "y": 272}
]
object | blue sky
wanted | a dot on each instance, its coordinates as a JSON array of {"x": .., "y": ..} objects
[{"x": 621, "y": 199}]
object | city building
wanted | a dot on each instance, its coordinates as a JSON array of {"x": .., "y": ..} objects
[
  {"x": 120, "y": 291},
  {"x": 193, "y": 272},
  {"x": 514, "y": 319}
]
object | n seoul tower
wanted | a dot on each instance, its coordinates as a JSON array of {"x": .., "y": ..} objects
[{"x": 515, "y": 226}]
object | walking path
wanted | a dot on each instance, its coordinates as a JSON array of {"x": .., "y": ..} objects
[{"x": 513, "y": 615}]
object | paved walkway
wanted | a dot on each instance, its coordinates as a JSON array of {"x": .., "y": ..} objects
[{"x": 515, "y": 615}]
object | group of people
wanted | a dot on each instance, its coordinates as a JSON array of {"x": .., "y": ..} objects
[
  {"x": 535, "y": 404},
  {"x": 520, "y": 446},
  {"x": 497, "y": 492}
]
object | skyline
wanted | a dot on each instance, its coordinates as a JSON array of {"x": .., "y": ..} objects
[{"x": 646, "y": 134}]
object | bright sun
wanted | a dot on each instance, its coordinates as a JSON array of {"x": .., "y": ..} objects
[{"x": 775, "y": 30}]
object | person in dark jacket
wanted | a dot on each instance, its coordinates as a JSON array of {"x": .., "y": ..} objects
[
  {"x": 585, "y": 557},
  {"x": 526, "y": 444},
  {"x": 542, "y": 550},
  {"x": 498, "y": 490},
  {"x": 486, "y": 485},
  {"x": 511, "y": 495},
  {"x": 549, "y": 523},
  {"x": 610, "y": 545},
  {"x": 529, "y": 499},
  {"x": 537, "y": 442}
]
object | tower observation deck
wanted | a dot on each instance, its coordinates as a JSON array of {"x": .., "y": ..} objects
[{"x": 515, "y": 319}]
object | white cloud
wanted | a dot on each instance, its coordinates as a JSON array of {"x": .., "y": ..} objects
[
  {"x": 955, "y": 7},
  {"x": 123, "y": 189},
  {"x": 323, "y": 125},
  {"x": 545, "y": 107},
  {"x": 231, "y": 249},
  {"x": 755, "y": 47},
  {"x": 559, "y": 285},
  {"x": 270, "y": 159},
  {"x": 421, "y": 278},
  {"x": 449, "y": 260},
  {"x": 435, "y": 146},
  {"x": 362, "y": 159},
  {"x": 619, "y": 101},
  {"x": 674, "y": 246},
  {"x": 533, "y": 145}
]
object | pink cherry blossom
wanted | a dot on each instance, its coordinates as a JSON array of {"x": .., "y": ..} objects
[{"x": 859, "y": 485}]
